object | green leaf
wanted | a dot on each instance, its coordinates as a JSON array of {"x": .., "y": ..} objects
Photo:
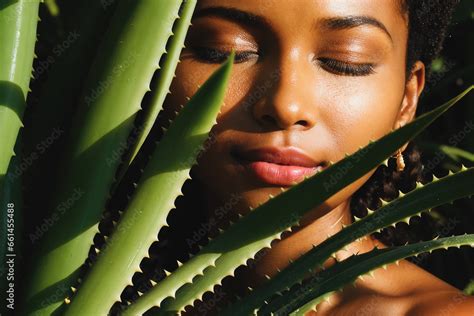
[
  {"x": 60, "y": 78},
  {"x": 266, "y": 223},
  {"x": 469, "y": 289},
  {"x": 120, "y": 77},
  {"x": 160, "y": 185},
  {"x": 454, "y": 153},
  {"x": 18, "y": 21},
  {"x": 356, "y": 266},
  {"x": 11, "y": 207},
  {"x": 166, "y": 75},
  {"x": 436, "y": 193}
]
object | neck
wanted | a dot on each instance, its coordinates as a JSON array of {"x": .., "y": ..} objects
[
  {"x": 312, "y": 231},
  {"x": 298, "y": 242}
]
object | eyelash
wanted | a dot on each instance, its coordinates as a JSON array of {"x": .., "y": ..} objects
[
  {"x": 342, "y": 68},
  {"x": 217, "y": 56}
]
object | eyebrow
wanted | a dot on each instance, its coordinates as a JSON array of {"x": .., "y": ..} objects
[
  {"x": 351, "y": 21},
  {"x": 252, "y": 20},
  {"x": 235, "y": 15}
]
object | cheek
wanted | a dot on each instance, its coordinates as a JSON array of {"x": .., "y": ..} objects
[
  {"x": 357, "y": 110},
  {"x": 191, "y": 75},
  {"x": 214, "y": 164},
  {"x": 187, "y": 82}
]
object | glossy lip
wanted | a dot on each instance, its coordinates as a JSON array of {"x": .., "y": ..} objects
[{"x": 278, "y": 166}]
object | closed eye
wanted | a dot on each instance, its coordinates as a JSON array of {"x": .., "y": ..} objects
[
  {"x": 217, "y": 56},
  {"x": 345, "y": 69}
]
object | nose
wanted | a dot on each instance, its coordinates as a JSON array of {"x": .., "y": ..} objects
[{"x": 287, "y": 103}]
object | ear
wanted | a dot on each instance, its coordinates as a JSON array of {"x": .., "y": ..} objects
[{"x": 413, "y": 88}]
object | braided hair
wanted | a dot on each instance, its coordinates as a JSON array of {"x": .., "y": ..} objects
[{"x": 428, "y": 22}]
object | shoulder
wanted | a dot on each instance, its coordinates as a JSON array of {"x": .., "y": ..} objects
[
  {"x": 442, "y": 303},
  {"x": 430, "y": 295},
  {"x": 425, "y": 295},
  {"x": 402, "y": 289}
]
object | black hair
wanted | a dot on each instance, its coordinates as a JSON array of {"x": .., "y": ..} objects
[
  {"x": 428, "y": 22},
  {"x": 386, "y": 183}
]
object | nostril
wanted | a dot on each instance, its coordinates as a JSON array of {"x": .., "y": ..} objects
[
  {"x": 271, "y": 121},
  {"x": 302, "y": 122}
]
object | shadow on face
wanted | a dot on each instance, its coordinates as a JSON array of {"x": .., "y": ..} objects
[{"x": 312, "y": 80}]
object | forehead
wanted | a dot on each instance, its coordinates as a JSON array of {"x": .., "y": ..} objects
[
  {"x": 308, "y": 6},
  {"x": 300, "y": 17}
]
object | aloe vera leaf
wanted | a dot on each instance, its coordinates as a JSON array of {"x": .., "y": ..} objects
[
  {"x": 58, "y": 97},
  {"x": 257, "y": 229},
  {"x": 312, "y": 305},
  {"x": 455, "y": 154},
  {"x": 70, "y": 58},
  {"x": 18, "y": 21},
  {"x": 436, "y": 193},
  {"x": 339, "y": 275},
  {"x": 469, "y": 289},
  {"x": 121, "y": 73},
  {"x": 166, "y": 76},
  {"x": 11, "y": 206},
  {"x": 156, "y": 192}
]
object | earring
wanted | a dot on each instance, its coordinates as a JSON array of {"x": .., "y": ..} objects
[{"x": 400, "y": 161}]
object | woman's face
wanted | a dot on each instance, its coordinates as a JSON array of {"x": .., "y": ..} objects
[{"x": 322, "y": 77}]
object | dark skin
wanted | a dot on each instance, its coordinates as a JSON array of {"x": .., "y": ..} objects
[{"x": 325, "y": 77}]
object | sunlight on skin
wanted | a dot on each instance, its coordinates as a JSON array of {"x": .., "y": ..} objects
[{"x": 304, "y": 81}]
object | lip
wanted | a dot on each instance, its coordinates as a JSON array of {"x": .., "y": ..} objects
[{"x": 278, "y": 166}]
